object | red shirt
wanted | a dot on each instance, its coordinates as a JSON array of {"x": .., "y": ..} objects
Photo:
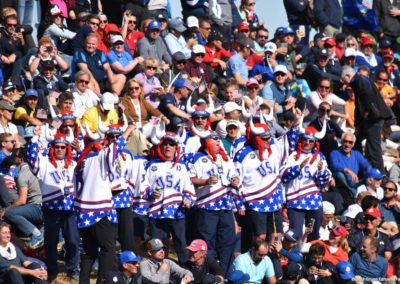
[
  {"x": 218, "y": 54},
  {"x": 132, "y": 40},
  {"x": 335, "y": 258}
]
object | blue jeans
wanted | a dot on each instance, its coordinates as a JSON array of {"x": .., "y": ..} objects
[
  {"x": 22, "y": 217},
  {"x": 299, "y": 217},
  {"x": 29, "y": 14},
  {"x": 66, "y": 220}
]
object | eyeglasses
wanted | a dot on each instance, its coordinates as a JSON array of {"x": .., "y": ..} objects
[
  {"x": 199, "y": 54},
  {"x": 83, "y": 81},
  {"x": 252, "y": 87},
  {"x": 381, "y": 79},
  {"x": 151, "y": 67},
  {"x": 11, "y": 141},
  {"x": 310, "y": 141},
  {"x": 207, "y": 28},
  {"x": 181, "y": 62},
  {"x": 351, "y": 44},
  {"x": 113, "y": 136},
  {"x": 104, "y": 22},
  {"x": 169, "y": 143},
  {"x": 251, "y": 4},
  {"x": 157, "y": 250},
  {"x": 215, "y": 138},
  {"x": 324, "y": 110},
  {"x": 11, "y": 25},
  {"x": 369, "y": 218},
  {"x": 94, "y": 24},
  {"x": 60, "y": 147},
  {"x": 388, "y": 189},
  {"x": 132, "y": 22},
  {"x": 347, "y": 142},
  {"x": 262, "y": 36},
  {"x": 154, "y": 31},
  {"x": 279, "y": 74},
  {"x": 119, "y": 43},
  {"x": 266, "y": 138},
  {"x": 200, "y": 117},
  {"x": 134, "y": 88},
  {"x": 324, "y": 87}
]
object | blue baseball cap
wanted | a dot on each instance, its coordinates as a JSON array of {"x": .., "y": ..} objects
[
  {"x": 238, "y": 277},
  {"x": 287, "y": 31},
  {"x": 154, "y": 25},
  {"x": 128, "y": 256},
  {"x": 375, "y": 174},
  {"x": 31, "y": 93},
  {"x": 182, "y": 82},
  {"x": 345, "y": 270}
]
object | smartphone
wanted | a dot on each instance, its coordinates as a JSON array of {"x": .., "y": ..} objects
[
  {"x": 311, "y": 224},
  {"x": 277, "y": 239}
]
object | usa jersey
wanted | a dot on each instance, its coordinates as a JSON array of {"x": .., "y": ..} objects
[
  {"x": 261, "y": 190},
  {"x": 93, "y": 197},
  {"x": 220, "y": 195},
  {"x": 303, "y": 186},
  {"x": 174, "y": 184},
  {"x": 56, "y": 184},
  {"x": 139, "y": 184},
  {"x": 289, "y": 141},
  {"x": 192, "y": 144},
  {"x": 123, "y": 196},
  {"x": 236, "y": 146}
]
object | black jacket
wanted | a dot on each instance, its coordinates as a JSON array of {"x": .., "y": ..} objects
[
  {"x": 369, "y": 102},
  {"x": 296, "y": 11},
  {"x": 387, "y": 24},
  {"x": 328, "y": 12}
]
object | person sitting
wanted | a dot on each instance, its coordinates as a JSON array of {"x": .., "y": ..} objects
[
  {"x": 318, "y": 270},
  {"x": 158, "y": 269},
  {"x": 26, "y": 112},
  {"x": 289, "y": 249},
  {"x": 175, "y": 41},
  {"x": 25, "y": 213},
  {"x": 6, "y": 126},
  {"x": 129, "y": 33},
  {"x": 128, "y": 264},
  {"x": 205, "y": 269},
  {"x": 373, "y": 179},
  {"x": 389, "y": 205},
  {"x": 256, "y": 263},
  {"x": 346, "y": 165},
  {"x": 368, "y": 263},
  {"x": 84, "y": 97},
  {"x": 14, "y": 265},
  {"x": 195, "y": 66}
]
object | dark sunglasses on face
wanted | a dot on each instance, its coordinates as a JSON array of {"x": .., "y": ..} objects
[
  {"x": 369, "y": 218},
  {"x": 381, "y": 79},
  {"x": 266, "y": 138},
  {"x": 134, "y": 88},
  {"x": 94, "y": 24},
  {"x": 252, "y": 87},
  {"x": 104, "y": 22},
  {"x": 262, "y": 36},
  {"x": 388, "y": 189},
  {"x": 181, "y": 62},
  {"x": 118, "y": 43},
  {"x": 169, "y": 143},
  {"x": 199, "y": 54},
  {"x": 113, "y": 136},
  {"x": 11, "y": 25},
  {"x": 324, "y": 110},
  {"x": 215, "y": 138},
  {"x": 324, "y": 87},
  {"x": 279, "y": 74},
  {"x": 83, "y": 81},
  {"x": 60, "y": 147},
  {"x": 151, "y": 67},
  {"x": 132, "y": 22}
]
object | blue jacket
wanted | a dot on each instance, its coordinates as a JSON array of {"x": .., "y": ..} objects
[{"x": 296, "y": 11}]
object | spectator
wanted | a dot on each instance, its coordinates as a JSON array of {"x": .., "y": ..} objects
[
  {"x": 6, "y": 126},
  {"x": 373, "y": 179},
  {"x": 328, "y": 215},
  {"x": 152, "y": 45},
  {"x": 158, "y": 269},
  {"x": 372, "y": 221},
  {"x": 367, "y": 56},
  {"x": 387, "y": 92},
  {"x": 264, "y": 71},
  {"x": 153, "y": 91},
  {"x": 84, "y": 97},
  {"x": 204, "y": 268},
  {"x": 387, "y": 16},
  {"x": 255, "y": 263},
  {"x": 289, "y": 247},
  {"x": 328, "y": 16},
  {"x": 10, "y": 93},
  {"x": 129, "y": 32},
  {"x": 175, "y": 41},
  {"x": 319, "y": 270},
  {"x": 121, "y": 61},
  {"x": 128, "y": 269},
  {"x": 345, "y": 271},
  {"x": 236, "y": 67},
  {"x": 232, "y": 111},
  {"x": 196, "y": 68},
  {"x": 25, "y": 213},
  {"x": 176, "y": 71},
  {"x": 368, "y": 263},
  {"x": 220, "y": 13},
  {"x": 204, "y": 31},
  {"x": 261, "y": 39},
  {"x": 247, "y": 11},
  {"x": 215, "y": 54},
  {"x": 15, "y": 267},
  {"x": 26, "y": 112},
  {"x": 232, "y": 133},
  {"x": 346, "y": 165}
]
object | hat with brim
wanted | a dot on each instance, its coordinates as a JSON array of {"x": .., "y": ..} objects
[
  {"x": 345, "y": 270},
  {"x": 6, "y": 105}
]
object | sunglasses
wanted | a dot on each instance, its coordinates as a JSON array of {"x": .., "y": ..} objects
[
  {"x": 134, "y": 88},
  {"x": 310, "y": 141},
  {"x": 262, "y": 36},
  {"x": 369, "y": 218},
  {"x": 113, "y": 136},
  {"x": 325, "y": 87},
  {"x": 389, "y": 189},
  {"x": 94, "y": 24},
  {"x": 118, "y": 43},
  {"x": 169, "y": 143},
  {"x": 151, "y": 67},
  {"x": 11, "y": 141},
  {"x": 104, "y": 22},
  {"x": 250, "y": 4},
  {"x": 83, "y": 81},
  {"x": 132, "y": 22},
  {"x": 181, "y": 62},
  {"x": 207, "y": 29},
  {"x": 351, "y": 44},
  {"x": 199, "y": 54},
  {"x": 324, "y": 110},
  {"x": 329, "y": 46},
  {"x": 215, "y": 138},
  {"x": 266, "y": 138},
  {"x": 60, "y": 147},
  {"x": 200, "y": 117},
  {"x": 11, "y": 25},
  {"x": 280, "y": 74},
  {"x": 347, "y": 142},
  {"x": 245, "y": 31},
  {"x": 383, "y": 80},
  {"x": 252, "y": 87}
]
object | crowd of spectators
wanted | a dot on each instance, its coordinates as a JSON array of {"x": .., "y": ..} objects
[{"x": 137, "y": 147}]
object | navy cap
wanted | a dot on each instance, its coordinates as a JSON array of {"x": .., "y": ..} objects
[
  {"x": 319, "y": 36},
  {"x": 323, "y": 53},
  {"x": 287, "y": 31},
  {"x": 9, "y": 85}
]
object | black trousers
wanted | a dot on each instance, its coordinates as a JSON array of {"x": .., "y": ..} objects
[
  {"x": 125, "y": 228},
  {"x": 371, "y": 130},
  {"x": 98, "y": 241},
  {"x": 14, "y": 276}
]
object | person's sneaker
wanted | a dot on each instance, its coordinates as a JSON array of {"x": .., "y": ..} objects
[{"x": 35, "y": 242}]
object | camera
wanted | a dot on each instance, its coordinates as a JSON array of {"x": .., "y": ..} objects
[{"x": 49, "y": 49}]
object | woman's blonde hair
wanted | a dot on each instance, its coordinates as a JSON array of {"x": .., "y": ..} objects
[
  {"x": 151, "y": 61},
  {"x": 350, "y": 37},
  {"x": 8, "y": 11},
  {"x": 344, "y": 244},
  {"x": 134, "y": 80},
  {"x": 213, "y": 88},
  {"x": 62, "y": 280}
]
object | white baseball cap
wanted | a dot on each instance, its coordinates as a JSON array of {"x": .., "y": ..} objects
[
  {"x": 232, "y": 122},
  {"x": 270, "y": 47},
  {"x": 328, "y": 208},
  {"x": 350, "y": 52},
  {"x": 198, "y": 48},
  {"x": 117, "y": 38},
  {"x": 280, "y": 68},
  {"x": 192, "y": 21},
  {"x": 108, "y": 100},
  {"x": 231, "y": 106}
]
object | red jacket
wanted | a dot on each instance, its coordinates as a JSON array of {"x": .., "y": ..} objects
[{"x": 210, "y": 56}]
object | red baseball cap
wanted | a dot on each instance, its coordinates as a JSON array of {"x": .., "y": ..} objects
[
  {"x": 330, "y": 41},
  {"x": 197, "y": 245},
  {"x": 243, "y": 26},
  {"x": 388, "y": 53},
  {"x": 339, "y": 230},
  {"x": 373, "y": 211},
  {"x": 366, "y": 40}
]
